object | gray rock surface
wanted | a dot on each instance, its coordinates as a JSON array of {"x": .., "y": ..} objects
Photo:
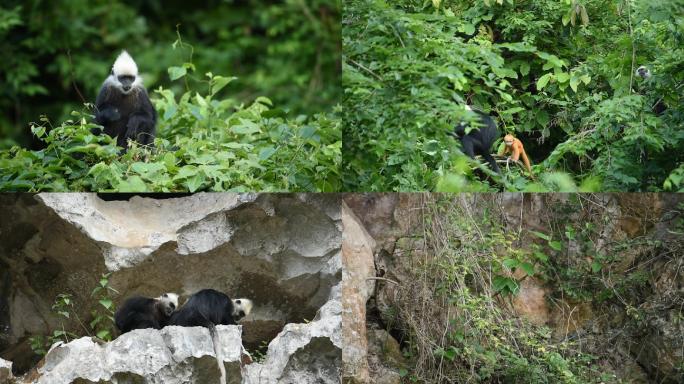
[
  {"x": 304, "y": 353},
  {"x": 173, "y": 355},
  {"x": 5, "y": 371}
]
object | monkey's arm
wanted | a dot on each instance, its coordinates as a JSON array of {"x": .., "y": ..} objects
[
  {"x": 141, "y": 123},
  {"x": 467, "y": 146},
  {"x": 105, "y": 112},
  {"x": 492, "y": 162}
]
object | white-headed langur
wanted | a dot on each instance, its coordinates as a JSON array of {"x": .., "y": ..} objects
[
  {"x": 123, "y": 107},
  {"x": 480, "y": 139}
]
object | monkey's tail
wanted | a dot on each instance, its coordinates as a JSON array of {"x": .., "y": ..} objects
[
  {"x": 216, "y": 343},
  {"x": 217, "y": 350}
]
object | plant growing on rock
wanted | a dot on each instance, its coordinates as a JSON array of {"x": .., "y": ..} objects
[{"x": 101, "y": 325}]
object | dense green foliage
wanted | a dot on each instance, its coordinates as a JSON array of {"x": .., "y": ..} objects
[
  {"x": 214, "y": 133},
  {"x": 471, "y": 266},
  {"x": 58, "y": 53},
  {"x": 557, "y": 74},
  {"x": 202, "y": 144}
]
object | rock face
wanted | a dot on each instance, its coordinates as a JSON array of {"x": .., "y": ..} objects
[
  {"x": 172, "y": 355},
  {"x": 5, "y": 371},
  {"x": 304, "y": 353},
  {"x": 649, "y": 350},
  {"x": 357, "y": 287},
  {"x": 282, "y": 251}
]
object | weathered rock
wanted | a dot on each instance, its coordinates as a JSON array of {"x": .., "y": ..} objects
[
  {"x": 357, "y": 256},
  {"x": 384, "y": 357},
  {"x": 172, "y": 355},
  {"x": 304, "y": 353},
  {"x": 5, "y": 371},
  {"x": 636, "y": 238},
  {"x": 530, "y": 302}
]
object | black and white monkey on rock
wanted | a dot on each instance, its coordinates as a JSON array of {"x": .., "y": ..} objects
[
  {"x": 140, "y": 312},
  {"x": 480, "y": 139},
  {"x": 123, "y": 107},
  {"x": 208, "y": 308}
]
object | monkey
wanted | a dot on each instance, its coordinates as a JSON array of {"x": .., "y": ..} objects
[
  {"x": 479, "y": 140},
  {"x": 123, "y": 107},
  {"x": 140, "y": 312},
  {"x": 210, "y": 307},
  {"x": 515, "y": 147},
  {"x": 643, "y": 72}
]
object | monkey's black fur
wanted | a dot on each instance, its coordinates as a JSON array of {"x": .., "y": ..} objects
[
  {"x": 206, "y": 308},
  {"x": 479, "y": 140},
  {"x": 141, "y": 312},
  {"x": 126, "y": 115}
]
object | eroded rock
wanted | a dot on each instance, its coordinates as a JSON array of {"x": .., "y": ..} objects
[
  {"x": 172, "y": 355},
  {"x": 5, "y": 371},
  {"x": 304, "y": 353},
  {"x": 357, "y": 287}
]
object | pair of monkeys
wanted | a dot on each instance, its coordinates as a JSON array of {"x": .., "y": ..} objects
[
  {"x": 479, "y": 141},
  {"x": 205, "y": 308}
]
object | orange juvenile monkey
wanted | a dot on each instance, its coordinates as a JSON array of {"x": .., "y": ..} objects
[{"x": 515, "y": 148}]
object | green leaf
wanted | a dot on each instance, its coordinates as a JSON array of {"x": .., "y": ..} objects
[
  {"x": 524, "y": 68},
  {"x": 176, "y": 73},
  {"x": 541, "y": 83},
  {"x": 194, "y": 183},
  {"x": 132, "y": 184},
  {"x": 541, "y": 256},
  {"x": 246, "y": 127},
  {"x": 103, "y": 334},
  {"x": 574, "y": 82},
  {"x": 541, "y": 235},
  {"x": 527, "y": 268},
  {"x": 106, "y": 303},
  {"x": 562, "y": 77},
  {"x": 555, "y": 245},
  {"x": 596, "y": 266},
  {"x": 510, "y": 263},
  {"x": 505, "y": 285},
  {"x": 307, "y": 131},
  {"x": 218, "y": 82},
  {"x": 266, "y": 153}
]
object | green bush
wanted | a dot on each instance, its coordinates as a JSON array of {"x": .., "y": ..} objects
[
  {"x": 58, "y": 53},
  {"x": 203, "y": 144},
  {"x": 459, "y": 273},
  {"x": 557, "y": 74}
]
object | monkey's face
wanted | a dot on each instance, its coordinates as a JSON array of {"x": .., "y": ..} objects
[
  {"x": 508, "y": 140},
  {"x": 241, "y": 308},
  {"x": 170, "y": 302},
  {"x": 126, "y": 82},
  {"x": 643, "y": 72}
]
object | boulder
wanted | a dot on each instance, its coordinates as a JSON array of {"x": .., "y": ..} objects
[{"x": 172, "y": 355}]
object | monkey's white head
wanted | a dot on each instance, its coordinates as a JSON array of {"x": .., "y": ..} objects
[
  {"x": 169, "y": 302},
  {"x": 124, "y": 65},
  {"x": 643, "y": 72},
  {"x": 241, "y": 308},
  {"x": 125, "y": 73}
]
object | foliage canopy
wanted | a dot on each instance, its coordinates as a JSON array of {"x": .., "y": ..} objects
[{"x": 557, "y": 74}]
